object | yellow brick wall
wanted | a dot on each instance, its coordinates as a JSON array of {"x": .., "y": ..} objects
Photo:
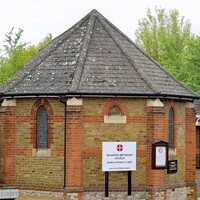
[
  {"x": 39, "y": 172},
  {"x": 178, "y": 153},
  {"x": 32, "y": 171},
  {"x": 48, "y": 171},
  {"x": 97, "y": 132}
]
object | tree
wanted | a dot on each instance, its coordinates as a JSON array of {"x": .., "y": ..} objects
[
  {"x": 12, "y": 48},
  {"x": 167, "y": 38},
  {"x": 17, "y": 53},
  {"x": 193, "y": 64}
]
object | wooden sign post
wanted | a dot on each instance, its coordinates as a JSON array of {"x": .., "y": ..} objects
[{"x": 106, "y": 184}]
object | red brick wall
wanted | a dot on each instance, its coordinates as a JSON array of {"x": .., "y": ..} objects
[
  {"x": 155, "y": 132},
  {"x": 2, "y": 144},
  {"x": 74, "y": 149},
  {"x": 190, "y": 151},
  {"x": 8, "y": 144}
]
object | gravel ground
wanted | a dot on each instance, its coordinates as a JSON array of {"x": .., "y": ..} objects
[{"x": 49, "y": 198}]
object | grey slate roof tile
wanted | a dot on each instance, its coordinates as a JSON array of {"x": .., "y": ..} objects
[{"x": 94, "y": 57}]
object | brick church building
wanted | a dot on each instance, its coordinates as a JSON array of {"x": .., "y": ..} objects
[{"x": 91, "y": 85}]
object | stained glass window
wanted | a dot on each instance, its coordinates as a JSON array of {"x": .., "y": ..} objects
[
  {"x": 42, "y": 126},
  {"x": 171, "y": 128},
  {"x": 114, "y": 111}
]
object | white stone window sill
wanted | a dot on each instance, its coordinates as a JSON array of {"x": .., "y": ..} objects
[
  {"x": 115, "y": 119},
  {"x": 41, "y": 152}
]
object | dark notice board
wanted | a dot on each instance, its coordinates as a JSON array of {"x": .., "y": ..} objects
[{"x": 172, "y": 166}]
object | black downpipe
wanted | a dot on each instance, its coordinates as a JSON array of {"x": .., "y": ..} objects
[{"x": 65, "y": 138}]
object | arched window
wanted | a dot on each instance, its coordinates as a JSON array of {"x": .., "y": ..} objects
[
  {"x": 114, "y": 110},
  {"x": 42, "y": 127},
  {"x": 171, "y": 128},
  {"x": 114, "y": 115}
]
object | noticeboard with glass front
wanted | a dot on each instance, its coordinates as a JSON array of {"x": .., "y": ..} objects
[{"x": 160, "y": 155}]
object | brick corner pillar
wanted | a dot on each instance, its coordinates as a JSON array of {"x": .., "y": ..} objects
[
  {"x": 190, "y": 150},
  {"x": 155, "y": 132},
  {"x": 74, "y": 148},
  {"x": 2, "y": 144},
  {"x": 8, "y": 137}
]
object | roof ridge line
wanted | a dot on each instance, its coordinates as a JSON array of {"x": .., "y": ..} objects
[
  {"x": 40, "y": 57},
  {"x": 126, "y": 53},
  {"x": 83, "y": 53}
]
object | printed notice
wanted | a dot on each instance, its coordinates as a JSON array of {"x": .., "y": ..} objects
[
  {"x": 118, "y": 156},
  {"x": 161, "y": 156}
]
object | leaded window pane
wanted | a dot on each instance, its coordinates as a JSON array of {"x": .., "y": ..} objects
[
  {"x": 198, "y": 146},
  {"x": 42, "y": 123},
  {"x": 114, "y": 111},
  {"x": 171, "y": 128}
]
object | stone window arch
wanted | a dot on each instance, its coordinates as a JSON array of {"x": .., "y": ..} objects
[{"x": 171, "y": 127}]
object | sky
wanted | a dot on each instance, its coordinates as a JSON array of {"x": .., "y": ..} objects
[{"x": 37, "y": 18}]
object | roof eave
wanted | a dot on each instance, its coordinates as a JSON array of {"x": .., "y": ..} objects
[{"x": 133, "y": 95}]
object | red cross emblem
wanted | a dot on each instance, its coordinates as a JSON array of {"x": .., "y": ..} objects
[
  {"x": 160, "y": 150},
  {"x": 119, "y": 147}
]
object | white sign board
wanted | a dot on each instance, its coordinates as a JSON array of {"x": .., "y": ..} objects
[
  {"x": 160, "y": 156},
  {"x": 118, "y": 156},
  {"x": 9, "y": 193}
]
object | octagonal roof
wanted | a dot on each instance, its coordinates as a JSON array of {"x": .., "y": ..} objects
[{"x": 94, "y": 58}]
